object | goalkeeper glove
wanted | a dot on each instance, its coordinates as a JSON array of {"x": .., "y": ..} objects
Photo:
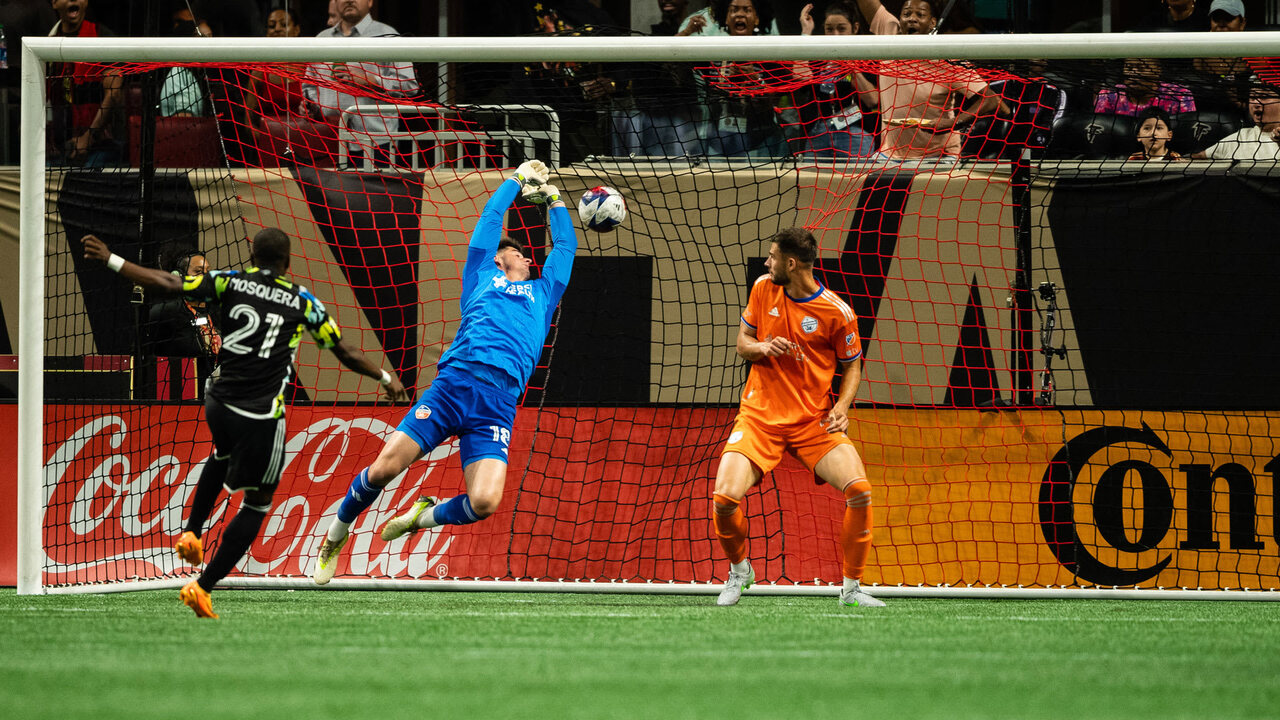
[
  {"x": 541, "y": 194},
  {"x": 531, "y": 172}
]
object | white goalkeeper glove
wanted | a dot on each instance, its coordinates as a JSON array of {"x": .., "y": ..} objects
[
  {"x": 531, "y": 172},
  {"x": 541, "y": 194}
]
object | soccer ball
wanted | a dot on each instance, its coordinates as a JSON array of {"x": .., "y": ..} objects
[{"x": 602, "y": 209}]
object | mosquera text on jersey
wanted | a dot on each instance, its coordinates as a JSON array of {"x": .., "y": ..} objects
[
  {"x": 796, "y": 387},
  {"x": 505, "y": 322},
  {"x": 263, "y": 316}
]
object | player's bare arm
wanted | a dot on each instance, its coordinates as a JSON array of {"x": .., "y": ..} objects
[
  {"x": 982, "y": 105},
  {"x": 151, "y": 278},
  {"x": 356, "y": 360},
  {"x": 837, "y": 419},
  {"x": 751, "y": 349}
]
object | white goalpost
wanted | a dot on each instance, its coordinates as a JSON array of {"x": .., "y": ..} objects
[{"x": 994, "y": 476}]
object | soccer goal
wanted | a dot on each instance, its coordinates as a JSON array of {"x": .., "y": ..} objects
[{"x": 1069, "y": 334}]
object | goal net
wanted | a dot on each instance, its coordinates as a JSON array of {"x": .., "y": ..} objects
[{"x": 1067, "y": 349}]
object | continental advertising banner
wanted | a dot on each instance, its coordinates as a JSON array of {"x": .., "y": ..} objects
[{"x": 1025, "y": 497}]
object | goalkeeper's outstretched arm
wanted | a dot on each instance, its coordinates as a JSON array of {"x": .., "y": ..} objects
[
  {"x": 565, "y": 243},
  {"x": 488, "y": 230},
  {"x": 150, "y": 278}
]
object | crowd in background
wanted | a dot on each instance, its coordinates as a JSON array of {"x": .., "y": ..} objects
[{"x": 1139, "y": 108}]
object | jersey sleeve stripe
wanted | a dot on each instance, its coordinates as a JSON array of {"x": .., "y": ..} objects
[
  {"x": 744, "y": 322},
  {"x": 840, "y": 305}
]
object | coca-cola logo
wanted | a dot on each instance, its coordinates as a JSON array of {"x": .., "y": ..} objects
[{"x": 115, "y": 500}]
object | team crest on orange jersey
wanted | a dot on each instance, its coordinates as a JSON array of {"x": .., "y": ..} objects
[{"x": 808, "y": 324}]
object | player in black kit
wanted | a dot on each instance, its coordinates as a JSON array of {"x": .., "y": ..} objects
[{"x": 264, "y": 314}]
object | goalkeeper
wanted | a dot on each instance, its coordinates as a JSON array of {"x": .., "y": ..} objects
[{"x": 505, "y": 319}]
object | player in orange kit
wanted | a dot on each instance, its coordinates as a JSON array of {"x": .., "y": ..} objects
[{"x": 794, "y": 331}]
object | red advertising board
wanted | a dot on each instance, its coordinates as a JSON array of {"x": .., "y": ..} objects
[
  {"x": 1028, "y": 497},
  {"x": 9, "y": 494}
]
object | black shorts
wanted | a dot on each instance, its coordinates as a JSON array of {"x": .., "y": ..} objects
[{"x": 255, "y": 447}]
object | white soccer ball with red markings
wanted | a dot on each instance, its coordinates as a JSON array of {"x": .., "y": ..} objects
[{"x": 602, "y": 209}]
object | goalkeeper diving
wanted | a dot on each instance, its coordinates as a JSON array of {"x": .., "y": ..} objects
[{"x": 505, "y": 320}]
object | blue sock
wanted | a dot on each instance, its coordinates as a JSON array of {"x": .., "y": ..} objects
[
  {"x": 358, "y": 498},
  {"x": 455, "y": 511}
]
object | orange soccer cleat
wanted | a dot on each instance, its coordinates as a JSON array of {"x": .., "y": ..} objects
[
  {"x": 197, "y": 598},
  {"x": 190, "y": 549}
]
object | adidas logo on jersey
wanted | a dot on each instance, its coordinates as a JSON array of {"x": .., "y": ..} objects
[{"x": 773, "y": 312}]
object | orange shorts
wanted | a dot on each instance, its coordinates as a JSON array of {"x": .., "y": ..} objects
[{"x": 764, "y": 444}]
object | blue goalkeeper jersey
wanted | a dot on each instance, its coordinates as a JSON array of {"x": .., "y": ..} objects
[{"x": 505, "y": 323}]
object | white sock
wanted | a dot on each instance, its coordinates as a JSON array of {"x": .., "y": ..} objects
[
  {"x": 428, "y": 519},
  {"x": 851, "y": 585},
  {"x": 337, "y": 530},
  {"x": 741, "y": 568}
]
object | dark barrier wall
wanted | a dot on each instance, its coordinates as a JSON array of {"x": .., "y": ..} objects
[{"x": 1174, "y": 285}]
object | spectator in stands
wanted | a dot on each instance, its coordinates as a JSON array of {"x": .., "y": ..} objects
[
  {"x": 333, "y": 14},
  {"x": 271, "y": 94},
  {"x": 583, "y": 95},
  {"x": 703, "y": 23},
  {"x": 1177, "y": 16},
  {"x": 959, "y": 20},
  {"x": 831, "y": 112},
  {"x": 231, "y": 18},
  {"x": 86, "y": 100},
  {"x": 673, "y": 15},
  {"x": 921, "y": 119},
  {"x": 180, "y": 328},
  {"x": 184, "y": 92},
  {"x": 1227, "y": 77},
  {"x": 1260, "y": 142},
  {"x": 323, "y": 99},
  {"x": 1227, "y": 16},
  {"x": 742, "y": 124},
  {"x": 1155, "y": 130},
  {"x": 659, "y": 116},
  {"x": 1143, "y": 88}
]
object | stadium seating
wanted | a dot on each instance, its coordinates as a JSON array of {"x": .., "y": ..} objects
[
  {"x": 1195, "y": 131},
  {"x": 1090, "y": 136},
  {"x": 1034, "y": 106}
]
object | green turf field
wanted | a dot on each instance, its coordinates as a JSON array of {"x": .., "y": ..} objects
[{"x": 349, "y": 654}]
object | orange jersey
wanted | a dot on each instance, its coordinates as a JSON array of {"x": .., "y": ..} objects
[{"x": 796, "y": 387}]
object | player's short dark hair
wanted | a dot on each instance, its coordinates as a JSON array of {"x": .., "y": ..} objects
[
  {"x": 271, "y": 248},
  {"x": 176, "y": 258},
  {"x": 1158, "y": 113},
  {"x": 798, "y": 243},
  {"x": 850, "y": 13},
  {"x": 509, "y": 242},
  {"x": 935, "y": 8},
  {"x": 764, "y": 11}
]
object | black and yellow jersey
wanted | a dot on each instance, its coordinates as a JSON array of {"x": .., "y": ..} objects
[{"x": 263, "y": 316}]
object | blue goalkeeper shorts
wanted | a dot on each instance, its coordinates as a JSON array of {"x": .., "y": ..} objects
[{"x": 479, "y": 415}]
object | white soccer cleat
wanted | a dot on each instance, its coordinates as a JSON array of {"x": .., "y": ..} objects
[
  {"x": 327, "y": 560},
  {"x": 407, "y": 524},
  {"x": 734, "y": 586},
  {"x": 857, "y": 597}
]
